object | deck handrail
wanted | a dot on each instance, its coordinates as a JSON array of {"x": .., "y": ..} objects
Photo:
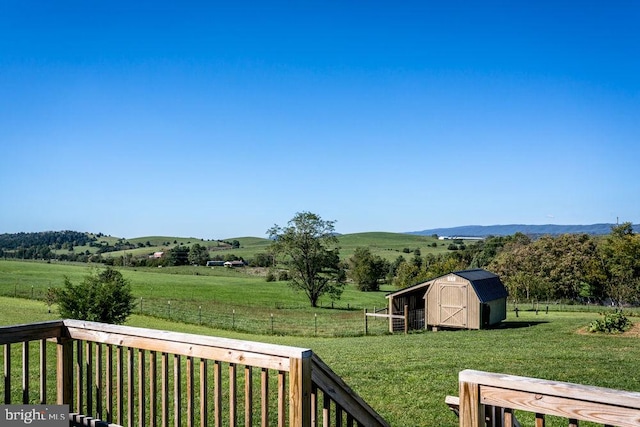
[
  {"x": 96, "y": 390},
  {"x": 480, "y": 391}
]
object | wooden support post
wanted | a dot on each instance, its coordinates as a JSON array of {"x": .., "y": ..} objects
[
  {"x": 300, "y": 390},
  {"x": 366, "y": 326},
  {"x": 64, "y": 372},
  {"x": 471, "y": 410},
  {"x": 406, "y": 319}
]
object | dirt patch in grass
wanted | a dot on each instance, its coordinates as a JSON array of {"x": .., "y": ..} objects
[{"x": 634, "y": 330}]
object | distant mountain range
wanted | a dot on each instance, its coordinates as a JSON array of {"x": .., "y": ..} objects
[{"x": 507, "y": 230}]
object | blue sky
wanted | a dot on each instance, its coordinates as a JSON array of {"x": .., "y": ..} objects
[{"x": 218, "y": 120}]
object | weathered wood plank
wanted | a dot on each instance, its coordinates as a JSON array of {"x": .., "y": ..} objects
[
  {"x": 554, "y": 388},
  {"x": 79, "y": 368},
  {"x": 571, "y": 407},
  {"x": 343, "y": 395},
  {"x": 31, "y": 332},
  {"x": 103, "y": 331},
  {"x": 89, "y": 378}
]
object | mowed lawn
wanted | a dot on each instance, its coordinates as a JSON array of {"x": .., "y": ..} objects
[{"x": 406, "y": 377}]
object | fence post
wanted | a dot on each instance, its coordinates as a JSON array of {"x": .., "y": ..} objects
[
  {"x": 64, "y": 371},
  {"x": 366, "y": 325},
  {"x": 406, "y": 319},
  {"x": 300, "y": 390}
]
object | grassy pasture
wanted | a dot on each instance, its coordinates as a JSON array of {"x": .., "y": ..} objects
[
  {"x": 387, "y": 245},
  {"x": 406, "y": 378},
  {"x": 221, "y": 297}
]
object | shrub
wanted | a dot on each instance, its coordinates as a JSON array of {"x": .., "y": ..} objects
[
  {"x": 103, "y": 296},
  {"x": 612, "y": 323},
  {"x": 270, "y": 277}
]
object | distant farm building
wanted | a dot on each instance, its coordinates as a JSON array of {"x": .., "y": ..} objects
[
  {"x": 468, "y": 299},
  {"x": 236, "y": 263},
  {"x": 156, "y": 255},
  {"x": 215, "y": 263}
]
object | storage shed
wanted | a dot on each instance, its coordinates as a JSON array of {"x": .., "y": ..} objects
[{"x": 468, "y": 299}]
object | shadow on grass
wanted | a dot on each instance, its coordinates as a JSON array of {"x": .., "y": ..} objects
[{"x": 519, "y": 324}]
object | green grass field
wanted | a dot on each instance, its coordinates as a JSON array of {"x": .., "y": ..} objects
[
  {"x": 406, "y": 378},
  {"x": 387, "y": 245}
]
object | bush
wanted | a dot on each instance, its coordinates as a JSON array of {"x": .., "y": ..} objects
[
  {"x": 270, "y": 277},
  {"x": 103, "y": 296},
  {"x": 613, "y": 323}
]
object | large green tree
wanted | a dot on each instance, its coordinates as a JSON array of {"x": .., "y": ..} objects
[
  {"x": 308, "y": 248},
  {"x": 103, "y": 296},
  {"x": 367, "y": 269},
  {"x": 621, "y": 258}
]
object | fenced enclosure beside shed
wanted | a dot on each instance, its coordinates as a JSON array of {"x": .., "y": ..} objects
[{"x": 468, "y": 299}]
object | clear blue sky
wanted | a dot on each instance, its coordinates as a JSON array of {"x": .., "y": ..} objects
[{"x": 218, "y": 120}]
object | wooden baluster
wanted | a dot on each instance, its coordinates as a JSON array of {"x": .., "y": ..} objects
[
  {"x": 350, "y": 420},
  {"x": 89, "y": 377},
  {"x": 109, "y": 383},
  {"x": 190, "y": 394},
  {"x": 142, "y": 416},
  {"x": 281, "y": 398},
  {"x": 217, "y": 392},
  {"x": 338, "y": 416},
  {"x": 43, "y": 371},
  {"x": 79, "y": 377},
  {"x": 573, "y": 422},
  {"x": 508, "y": 417},
  {"x": 98, "y": 384},
  {"x": 130, "y": 387},
  {"x": 165, "y": 390},
  {"x": 233, "y": 400},
  {"x": 153, "y": 389},
  {"x": 264, "y": 397},
  {"x": 540, "y": 420},
  {"x": 25, "y": 372},
  {"x": 326, "y": 410},
  {"x": 314, "y": 405},
  {"x": 248, "y": 396},
  {"x": 7, "y": 374},
  {"x": 204, "y": 398},
  {"x": 120, "y": 384},
  {"x": 177, "y": 391}
]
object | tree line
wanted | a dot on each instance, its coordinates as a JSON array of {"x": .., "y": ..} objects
[{"x": 570, "y": 267}]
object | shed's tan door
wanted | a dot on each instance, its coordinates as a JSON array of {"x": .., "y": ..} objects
[{"x": 452, "y": 303}]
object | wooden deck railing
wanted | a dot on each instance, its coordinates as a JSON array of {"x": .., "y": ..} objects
[
  {"x": 119, "y": 375},
  {"x": 488, "y": 399}
]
